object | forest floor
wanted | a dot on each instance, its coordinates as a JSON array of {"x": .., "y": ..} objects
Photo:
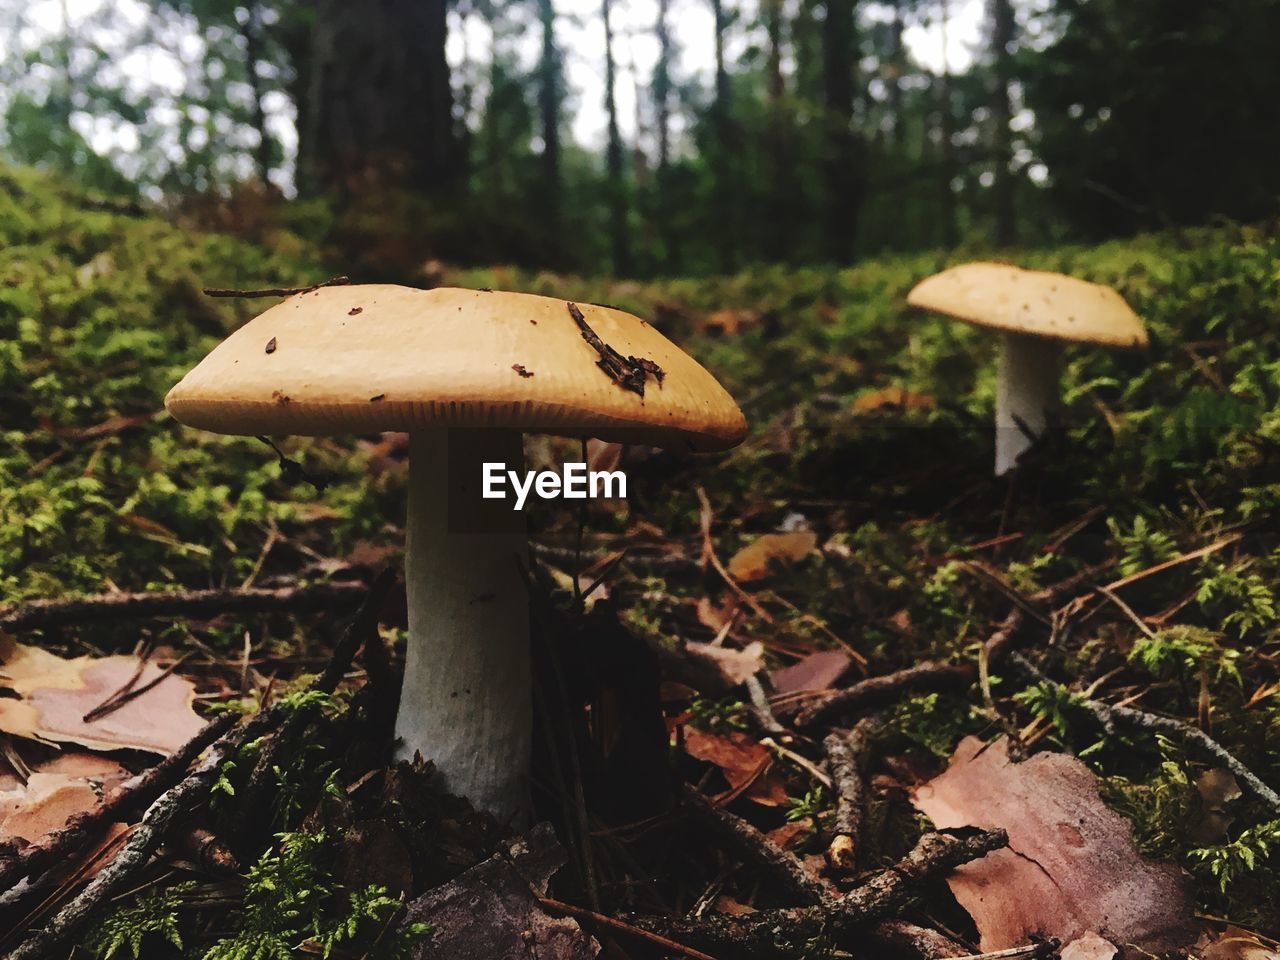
[{"x": 748, "y": 717}]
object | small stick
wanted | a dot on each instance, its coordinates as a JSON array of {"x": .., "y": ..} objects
[
  {"x": 133, "y": 794},
  {"x": 709, "y": 552},
  {"x": 118, "y": 700},
  {"x": 38, "y": 614},
  {"x": 842, "y": 762},
  {"x": 1107, "y": 715},
  {"x": 584, "y": 914},
  {"x": 754, "y": 847},
  {"x": 926, "y": 677},
  {"x": 760, "y": 709},
  {"x": 275, "y": 291},
  {"x": 181, "y": 798},
  {"x": 789, "y": 931}
]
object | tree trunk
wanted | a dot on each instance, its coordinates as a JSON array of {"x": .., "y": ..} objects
[
  {"x": 380, "y": 108},
  {"x": 549, "y": 95},
  {"x": 724, "y": 228},
  {"x": 252, "y": 33},
  {"x": 618, "y": 228},
  {"x": 777, "y": 235},
  {"x": 1002, "y": 36},
  {"x": 841, "y": 157},
  {"x": 898, "y": 66},
  {"x": 671, "y": 259},
  {"x": 946, "y": 142}
]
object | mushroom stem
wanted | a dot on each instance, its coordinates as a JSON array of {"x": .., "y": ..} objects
[
  {"x": 1025, "y": 393},
  {"x": 467, "y": 702}
]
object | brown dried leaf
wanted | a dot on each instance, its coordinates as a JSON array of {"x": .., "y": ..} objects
[
  {"x": 756, "y": 559},
  {"x": 54, "y": 793},
  {"x": 1237, "y": 944},
  {"x": 895, "y": 397},
  {"x": 734, "y": 666},
  {"x": 817, "y": 671},
  {"x": 492, "y": 909},
  {"x": 1070, "y": 869},
  {"x": 57, "y": 693},
  {"x": 741, "y": 760}
]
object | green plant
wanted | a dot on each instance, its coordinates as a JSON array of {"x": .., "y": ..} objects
[
  {"x": 1182, "y": 649},
  {"x": 1229, "y": 863},
  {"x": 147, "y": 916},
  {"x": 1141, "y": 545},
  {"x": 1239, "y": 599}
]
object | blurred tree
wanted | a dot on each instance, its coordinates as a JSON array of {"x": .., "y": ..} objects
[
  {"x": 1151, "y": 112},
  {"x": 842, "y": 147},
  {"x": 550, "y": 97},
  {"x": 1003, "y": 28},
  {"x": 379, "y": 102},
  {"x": 619, "y": 228}
]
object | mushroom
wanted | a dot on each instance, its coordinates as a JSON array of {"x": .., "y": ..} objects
[
  {"x": 466, "y": 373},
  {"x": 1037, "y": 312}
]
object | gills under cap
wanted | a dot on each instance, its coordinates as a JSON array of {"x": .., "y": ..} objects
[
  {"x": 1032, "y": 302},
  {"x": 365, "y": 358}
]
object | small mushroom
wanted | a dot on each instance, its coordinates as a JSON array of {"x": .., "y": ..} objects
[
  {"x": 442, "y": 360},
  {"x": 1037, "y": 312}
]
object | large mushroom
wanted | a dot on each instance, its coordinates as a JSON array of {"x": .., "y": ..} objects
[
  {"x": 1037, "y": 312},
  {"x": 466, "y": 373}
]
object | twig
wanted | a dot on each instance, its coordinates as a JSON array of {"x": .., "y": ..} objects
[
  {"x": 843, "y": 753},
  {"x": 128, "y": 797},
  {"x": 899, "y": 938},
  {"x": 788, "y": 931},
  {"x": 627, "y": 372},
  {"x": 174, "y": 803},
  {"x": 754, "y": 848},
  {"x": 120, "y": 698},
  {"x": 927, "y": 677},
  {"x": 584, "y": 914},
  {"x": 760, "y": 709},
  {"x": 1045, "y": 948},
  {"x": 1128, "y": 610},
  {"x": 359, "y": 632},
  {"x": 1107, "y": 715},
  {"x": 1184, "y": 558},
  {"x": 275, "y": 291},
  {"x": 39, "y": 614},
  {"x": 709, "y": 552}
]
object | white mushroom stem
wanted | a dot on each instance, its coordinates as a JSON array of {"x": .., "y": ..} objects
[
  {"x": 1025, "y": 394},
  {"x": 467, "y": 702}
]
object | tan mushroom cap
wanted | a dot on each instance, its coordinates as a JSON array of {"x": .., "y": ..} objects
[
  {"x": 1033, "y": 302},
  {"x": 367, "y": 358}
]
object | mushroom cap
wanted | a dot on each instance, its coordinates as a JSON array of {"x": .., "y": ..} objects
[
  {"x": 367, "y": 358},
  {"x": 1033, "y": 302}
]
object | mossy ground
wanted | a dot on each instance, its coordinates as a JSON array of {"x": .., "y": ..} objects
[{"x": 1162, "y": 453}]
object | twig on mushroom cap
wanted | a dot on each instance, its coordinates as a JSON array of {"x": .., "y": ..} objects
[
  {"x": 627, "y": 372},
  {"x": 275, "y": 291}
]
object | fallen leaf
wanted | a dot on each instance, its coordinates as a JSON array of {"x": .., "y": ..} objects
[
  {"x": 56, "y": 791},
  {"x": 817, "y": 671},
  {"x": 492, "y": 909},
  {"x": 1217, "y": 788},
  {"x": 896, "y": 397},
  {"x": 728, "y": 322},
  {"x": 1089, "y": 947},
  {"x": 741, "y": 760},
  {"x": 1233, "y": 943},
  {"x": 734, "y": 666},
  {"x": 57, "y": 693},
  {"x": 1071, "y": 868},
  {"x": 756, "y": 560},
  {"x": 714, "y": 616}
]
